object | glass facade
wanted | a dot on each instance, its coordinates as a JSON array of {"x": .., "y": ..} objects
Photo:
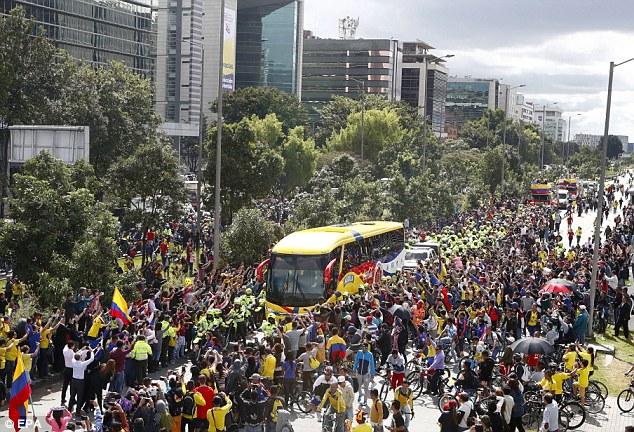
[
  {"x": 436, "y": 99},
  {"x": 97, "y": 32},
  {"x": 267, "y": 51},
  {"x": 466, "y": 100},
  {"x": 410, "y": 85}
]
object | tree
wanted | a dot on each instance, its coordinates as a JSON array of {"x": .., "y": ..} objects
[
  {"x": 300, "y": 159},
  {"x": 147, "y": 185},
  {"x": 261, "y": 101},
  {"x": 615, "y": 146},
  {"x": 249, "y": 237},
  {"x": 29, "y": 75},
  {"x": 250, "y": 167},
  {"x": 491, "y": 169},
  {"x": 381, "y": 129},
  {"x": 116, "y": 104},
  {"x": 60, "y": 237}
]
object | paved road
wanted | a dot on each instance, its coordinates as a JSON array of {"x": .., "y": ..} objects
[{"x": 426, "y": 412}]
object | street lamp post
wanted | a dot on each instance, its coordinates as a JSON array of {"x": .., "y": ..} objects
[
  {"x": 219, "y": 124},
  {"x": 599, "y": 218},
  {"x": 568, "y": 145},
  {"x": 506, "y": 108},
  {"x": 201, "y": 135}
]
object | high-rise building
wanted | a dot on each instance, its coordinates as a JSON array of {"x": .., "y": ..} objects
[
  {"x": 468, "y": 99},
  {"x": 424, "y": 83},
  {"x": 96, "y": 32},
  {"x": 349, "y": 67},
  {"x": 522, "y": 110},
  {"x": 187, "y": 29},
  {"x": 269, "y": 44},
  {"x": 553, "y": 123}
]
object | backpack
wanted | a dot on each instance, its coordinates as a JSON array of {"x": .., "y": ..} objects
[
  {"x": 525, "y": 375},
  {"x": 386, "y": 411},
  {"x": 189, "y": 405}
]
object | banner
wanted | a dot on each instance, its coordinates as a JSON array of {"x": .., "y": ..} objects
[{"x": 229, "y": 50}]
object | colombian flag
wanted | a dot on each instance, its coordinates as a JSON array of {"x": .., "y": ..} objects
[
  {"x": 119, "y": 308},
  {"x": 337, "y": 348},
  {"x": 19, "y": 395}
]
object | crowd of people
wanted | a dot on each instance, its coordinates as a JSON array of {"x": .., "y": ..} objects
[{"x": 248, "y": 369}]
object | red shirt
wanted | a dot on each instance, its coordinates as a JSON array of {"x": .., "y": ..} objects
[
  {"x": 150, "y": 235},
  {"x": 208, "y": 393},
  {"x": 163, "y": 247}
]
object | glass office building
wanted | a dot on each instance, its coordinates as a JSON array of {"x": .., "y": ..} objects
[
  {"x": 97, "y": 32},
  {"x": 468, "y": 99},
  {"x": 269, "y": 44}
]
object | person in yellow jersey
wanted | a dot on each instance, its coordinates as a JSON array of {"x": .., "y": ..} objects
[
  {"x": 140, "y": 353},
  {"x": 578, "y": 235},
  {"x": 569, "y": 358},
  {"x": 583, "y": 380},
  {"x": 532, "y": 318},
  {"x": 11, "y": 355},
  {"x": 553, "y": 382},
  {"x": 97, "y": 324},
  {"x": 45, "y": 344},
  {"x": 217, "y": 414},
  {"x": 405, "y": 396},
  {"x": 27, "y": 359},
  {"x": 267, "y": 369},
  {"x": 362, "y": 424},
  {"x": 336, "y": 406}
]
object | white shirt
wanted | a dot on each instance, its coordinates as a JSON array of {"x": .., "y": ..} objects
[
  {"x": 68, "y": 356},
  {"x": 508, "y": 408},
  {"x": 79, "y": 367},
  {"x": 466, "y": 409},
  {"x": 551, "y": 416}
]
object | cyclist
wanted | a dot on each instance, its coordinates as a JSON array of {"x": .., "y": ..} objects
[
  {"x": 337, "y": 406},
  {"x": 404, "y": 396}
]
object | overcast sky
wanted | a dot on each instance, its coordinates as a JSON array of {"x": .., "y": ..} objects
[{"x": 561, "y": 49}]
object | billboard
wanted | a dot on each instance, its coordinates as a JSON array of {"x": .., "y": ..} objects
[
  {"x": 229, "y": 50},
  {"x": 68, "y": 143}
]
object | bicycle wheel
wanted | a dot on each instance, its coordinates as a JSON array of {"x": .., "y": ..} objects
[
  {"x": 445, "y": 399},
  {"x": 600, "y": 387},
  {"x": 564, "y": 421},
  {"x": 594, "y": 402},
  {"x": 303, "y": 402},
  {"x": 576, "y": 414},
  {"x": 625, "y": 400}
]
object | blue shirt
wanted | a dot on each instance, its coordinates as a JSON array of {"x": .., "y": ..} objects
[
  {"x": 364, "y": 363},
  {"x": 289, "y": 369}
]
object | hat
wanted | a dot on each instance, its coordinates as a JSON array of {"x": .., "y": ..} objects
[
  {"x": 341, "y": 379},
  {"x": 256, "y": 376},
  {"x": 582, "y": 307}
]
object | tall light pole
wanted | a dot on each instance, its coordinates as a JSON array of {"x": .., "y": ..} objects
[
  {"x": 219, "y": 124},
  {"x": 506, "y": 109},
  {"x": 362, "y": 88},
  {"x": 599, "y": 218},
  {"x": 569, "y": 123},
  {"x": 201, "y": 137},
  {"x": 541, "y": 166}
]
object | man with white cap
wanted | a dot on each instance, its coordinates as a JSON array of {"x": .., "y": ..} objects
[{"x": 348, "y": 395}]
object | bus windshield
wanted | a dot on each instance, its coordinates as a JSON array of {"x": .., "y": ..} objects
[{"x": 296, "y": 280}]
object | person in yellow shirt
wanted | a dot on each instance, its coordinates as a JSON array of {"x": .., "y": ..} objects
[
  {"x": 553, "y": 382},
  {"x": 362, "y": 424},
  {"x": 216, "y": 415},
  {"x": 405, "y": 396},
  {"x": 191, "y": 402},
  {"x": 141, "y": 351},
  {"x": 267, "y": 370},
  {"x": 97, "y": 324},
  {"x": 11, "y": 355},
  {"x": 583, "y": 380},
  {"x": 569, "y": 358},
  {"x": 45, "y": 344},
  {"x": 334, "y": 397}
]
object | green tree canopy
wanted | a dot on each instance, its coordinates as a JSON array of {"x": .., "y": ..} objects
[
  {"x": 381, "y": 130},
  {"x": 300, "y": 159},
  {"x": 260, "y": 101},
  {"x": 249, "y": 237}
]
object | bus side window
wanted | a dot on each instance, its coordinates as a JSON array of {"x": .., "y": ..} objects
[{"x": 335, "y": 254}]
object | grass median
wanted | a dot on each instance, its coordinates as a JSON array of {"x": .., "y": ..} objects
[{"x": 611, "y": 369}]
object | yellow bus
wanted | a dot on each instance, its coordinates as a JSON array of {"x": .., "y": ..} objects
[{"x": 307, "y": 267}]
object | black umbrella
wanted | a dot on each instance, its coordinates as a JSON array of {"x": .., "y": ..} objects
[{"x": 532, "y": 345}]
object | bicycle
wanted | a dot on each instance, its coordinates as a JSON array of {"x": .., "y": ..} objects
[
  {"x": 625, "y": 399},
  {"x": 574, "y": 412},
  {"x": 534, "y": 415},
  {"x": 301, "y": 398}
]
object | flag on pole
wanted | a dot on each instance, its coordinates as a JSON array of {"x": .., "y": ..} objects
[
  {"x": 19, "y": 395},
  {"x": 119, "y": 308}
]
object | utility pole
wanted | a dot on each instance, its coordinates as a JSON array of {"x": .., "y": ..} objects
[
  {"x": 362, "y": 119},
  {"x": 541, "y": 166},
  {"x": 219, "y": 123},
  {"x": 599, "y": 219}
]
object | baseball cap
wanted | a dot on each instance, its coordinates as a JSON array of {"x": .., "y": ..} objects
[{"x": 341, "y": 379}]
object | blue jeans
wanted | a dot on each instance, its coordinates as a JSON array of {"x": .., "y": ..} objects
[{"x": 116, "y": 385}]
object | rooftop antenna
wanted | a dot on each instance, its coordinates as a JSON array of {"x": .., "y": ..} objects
[{"x": 348, "y": 27}]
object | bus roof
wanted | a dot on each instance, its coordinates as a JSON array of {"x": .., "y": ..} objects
[{"x": 317, "y": 241}]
